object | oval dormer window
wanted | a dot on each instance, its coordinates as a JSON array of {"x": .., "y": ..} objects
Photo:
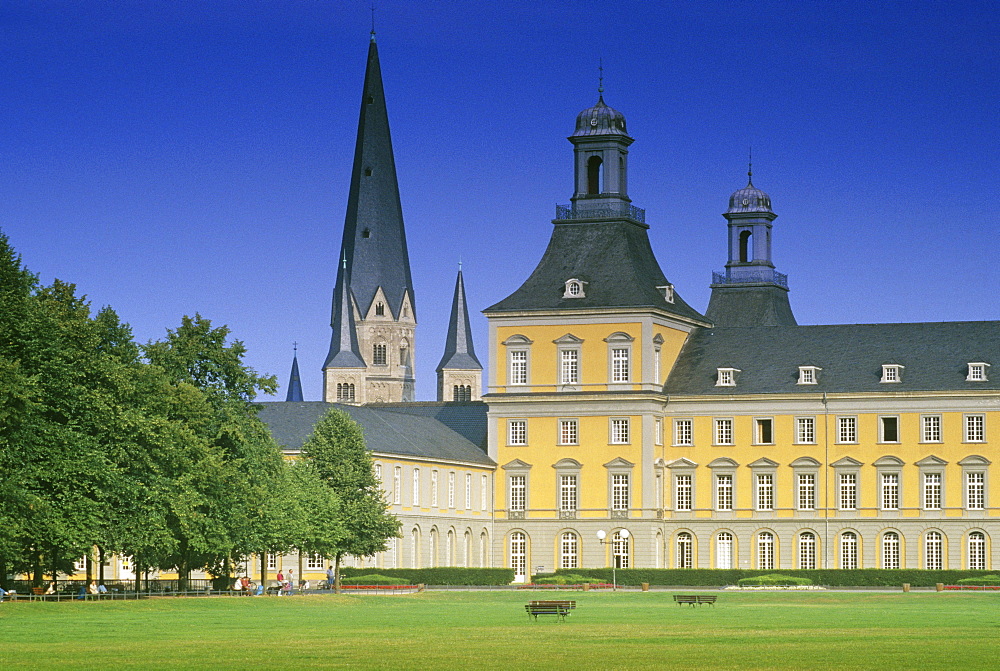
[{"x": 574, "y": 288}]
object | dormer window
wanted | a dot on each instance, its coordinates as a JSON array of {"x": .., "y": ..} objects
[
  {"x": 380, "y": 309},
  {"x": 892, "y": 373},
  {"x": 977, "y": 372},
  {"x": 726, "y": 377},
  {"x": 809, "y": 374},
  {"x": 668, "y": 292},
  {"x": 574, "y": 289}
]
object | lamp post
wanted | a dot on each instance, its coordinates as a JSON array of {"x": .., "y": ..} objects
[{"x": 602, "y": 538}]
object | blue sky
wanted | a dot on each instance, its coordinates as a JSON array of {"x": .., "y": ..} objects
[{"x": 172, "y": 158}]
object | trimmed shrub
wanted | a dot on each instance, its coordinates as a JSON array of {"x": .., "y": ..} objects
[
  {"x": 695, "y": 577},
  {"x": 438, "y": 576},
  {"x": 373, "y": 579},
  {"x": 981, "y": 580},
  {"x": 567, "y": 579},
  {"x": 773, "y": 579}
]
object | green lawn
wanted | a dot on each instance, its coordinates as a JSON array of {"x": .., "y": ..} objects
[{"x": 470, "y": 630}]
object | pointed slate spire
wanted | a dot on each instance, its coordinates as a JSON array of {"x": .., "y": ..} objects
[
  {"x": 374, "y": 240},
  {"x": 344, "y": 351},
  {"x": 294, "y": 382},
  {"x": 459, "y": 352}
]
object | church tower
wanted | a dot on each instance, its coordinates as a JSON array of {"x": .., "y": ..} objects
[
  {"x": 374, "y": 316},
  {"x": 460, "y": 375},
  {"x": 750, "y": 292},
  {"x": 294, "y": 392}
]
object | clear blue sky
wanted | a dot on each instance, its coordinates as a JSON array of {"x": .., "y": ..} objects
[{"x": 172, "y": 157}]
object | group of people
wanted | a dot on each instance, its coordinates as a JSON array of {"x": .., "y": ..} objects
[{"x": 283, "y": 585}]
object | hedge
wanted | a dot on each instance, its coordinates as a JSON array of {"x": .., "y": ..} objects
[
  {"x": 868, "y": 577},
  {"x": 567, "y": 579},
  {"x": 374, "y": 579},
  {"x": 981, "y": 580},
  {"x": 439, "y": 576},
  {"x": 774, "y": 579}
]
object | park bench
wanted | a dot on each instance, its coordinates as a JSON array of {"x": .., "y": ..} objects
[
  {"x": 693, "y": 599},
  {"x": 558, "y": 608}
]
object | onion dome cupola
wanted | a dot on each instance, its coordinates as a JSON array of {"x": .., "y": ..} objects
[
  {"x": 600, "y": 152},
  {"x": 750, "y": 292}
]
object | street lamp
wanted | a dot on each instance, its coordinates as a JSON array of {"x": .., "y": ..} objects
[{"x": 602, "y": 538}]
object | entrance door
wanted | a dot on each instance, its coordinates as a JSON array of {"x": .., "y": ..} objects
[{"x": 519, "y": 556}]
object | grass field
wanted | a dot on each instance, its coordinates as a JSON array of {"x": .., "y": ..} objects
[{"x": 473, "y": 630}]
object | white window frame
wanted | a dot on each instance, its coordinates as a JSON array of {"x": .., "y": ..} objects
[
  {"x": 889, "y": 490},
  {"x": 397, "y": 484},
  {"x": 621, "y": 365},
  {"x": 569, "y": 550},
  {"x": 569, "y": 431},
  {"x": 883, "y": 421},
  {"x": 683, "y": 492},
  {"x": 765, "y": 550},
  {"x": 892, "y": 373},
  {"x": 975, "y": 490},
  {"x": 569, "y": 365},
  {"x": 809, "y": 374},
  {"x": 620, "y": 431},
  {"x": 807, "y": 550},
  {"x": 484, "y": 488},
  {"x": 468, "y": 491},
  {"x": 723, "y": 431},
  {"x": 976, "y": 551},
  {"x": 685, "y": 550},
  {"x": 569, "y": 499},
  {"x": 849, "y": 550},
  {"x": 933, "y": 550},
  {"x": 683, "y": 432},
  {"x": 975, "y": 428},
  {"x": 517, "y": 492},
  {"x": 805, "y": 430},
  {"x": 724, "y": 492},
  {"x": 977, "y": 372},
  {"x": 517, "y": 432},
  {"x": 805, "y": 491},
  {"x": 764, "y": 493},
  {"x": 847, "y": 430},
  {"x": 726, "y": 377},
  {"x": 415, "y": 500},
  {"x": 658, "y": 431},
  {"x": 620, "y": 491},
  {"x": 847, "y": 491},
  {"x": 891, "y": 555},
  {"x": 434, "y": 488},
  {"x": 758, "y": 430},
  {"x": 451, "y": 490},
  {"x": 933, "y": 491},
  {"x": 930, "y": 428}
]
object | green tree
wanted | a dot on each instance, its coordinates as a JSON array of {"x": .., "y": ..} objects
[{"x": 338, "y": 452}]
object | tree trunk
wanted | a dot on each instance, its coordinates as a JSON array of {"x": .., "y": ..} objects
[
  {"x": 336, "y": 574},
  {"x": 100, "y": 564},
  {"x": 89, "y": 563},
  {"x": 302, "y": 576},
  {"x": 182, "y": 575},
  {"x": 263, "y": 571}
]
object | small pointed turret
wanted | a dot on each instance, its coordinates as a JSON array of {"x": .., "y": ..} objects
[
  {"x": 294, "y": 382},
  {"x": 459, "y": 373}
]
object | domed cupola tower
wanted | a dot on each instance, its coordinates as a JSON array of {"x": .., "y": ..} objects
[
  {"x": 600, "y": 145},
  {"x": 750, "y": 292}
]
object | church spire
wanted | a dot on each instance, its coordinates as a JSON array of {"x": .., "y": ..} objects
[
  {"x": 294, "y": 383},
  {"x": 459, "y": 373},
  {"x": 374, "y": 316}
]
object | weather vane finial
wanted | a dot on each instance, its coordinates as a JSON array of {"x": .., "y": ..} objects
[
  {"x": 295, "y": 346},
  {"x": 600, "y": 77},
  {"x": 750, "y": 166},
  {"x": 373, "y": 20}
]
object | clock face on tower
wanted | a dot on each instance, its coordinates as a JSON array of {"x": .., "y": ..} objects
[{"x": 593, "y": 121}]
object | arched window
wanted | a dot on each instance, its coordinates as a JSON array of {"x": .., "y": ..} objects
[
  {"x": 380, "y": 309},
  {"x": 745, "y": 248},
  {"x": 765, "y": 550},
  {"x": 807, "y": 550},
  {"x": 848, "y": 550},
  {"x": 890, "y": 550},
  {"x": 685, "y": 550},
  {"x": 345, "y": 391},
  {"x": 724, "y": 550},
  {"x": 933, "y": 551},
  {"x": 569, "y": 550},
  {"x": 484, "y": 549},
  {"x": 379, "y": 354},
  {"x": 594, "y": 176},
  {"x": 415, "y": 548},
  {"x": 434, "y": 549},
  {"x": 468, "y": 549},
  {"x": 977, "y": 551},
  {"x": 619, "y": 550},
  {"x": 462, "y": 392},
  {"x": 519, "y": 555},
  {"x": 450, "y": 558}
]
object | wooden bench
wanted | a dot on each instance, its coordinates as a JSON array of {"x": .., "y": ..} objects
[
  {"x": 558, "y": 608},
  {"x": 693, "y": 599}
]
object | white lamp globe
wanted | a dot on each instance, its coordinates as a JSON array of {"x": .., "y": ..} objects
[
  {"x": 623, "y": 533},
  {"x": 601, "y": 535}
]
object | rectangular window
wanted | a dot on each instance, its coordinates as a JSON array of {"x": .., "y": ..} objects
[
  {"x": 683, "y": 498},
  {"x": 397, "y": 476},
  {"x": 314, "y": 561},
  {"x": 619, "y": 492},
  {"x": 517, "y": 432},
  {"x": 848, "y": 494},
  {"x": 434, "y": 489},
  {"x": 889, "y": 429},
  {"x": 378, "y": 472},
  {"x": 567, "y": 492},
  {"x": 975, "y": 491},
  {"x": 763, "y": 431},
  {"x": 930, "y": 429},
  {"x": 724, "y": 492},
  {"x": 518, "y": 366},
  {"x": 568, "y": 432},
  {"x": 805, "y": 430},
  {"x": 975, "y": 428},
  {"x": 451, "y": 490},
  {"x": 484, "y": 488},
  {"x": 416, "y": 487},
  {"x": 658, "y": 431},
  {"x": 890, "y": 491},
  {"x": 518, "y": 492},
  {"x": 723, "y": 432},
  {"x": 683, "y": 433},
  {"x": 272, "y": 561},
  {"x": 619, "y": 365},
  {"x": 569, "y": 366},
  {"x": 619, "y": 431},
  {"x": 932, "y": 491},
  {"x": 806, "y": 491},
  {"x": 847, "y": 429},
  {"x": 765, "y": 491}
]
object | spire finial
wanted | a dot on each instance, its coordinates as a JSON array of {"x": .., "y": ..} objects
[
  {"x": 460, "y": 264},
  {"x": 295, "y": 346},
  {"x": 373, "y": 20},
  {"x": 750, "y": 166},
  {"x": 343, "y": 259},
  {"x": 600, "y": 77}
]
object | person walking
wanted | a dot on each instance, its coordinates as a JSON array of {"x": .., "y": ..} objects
[{"x": 329, "y": 577}]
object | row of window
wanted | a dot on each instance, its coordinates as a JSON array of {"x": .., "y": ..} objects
[
  {"x": 567, "y": 495},
  {"x": 453, "y": 499},
  {"x": 619, "y": 431},
  {"x": 930, "y": 430},
  {"x": 569, "y": 359},
  {"x": 569, "y": 551},
  {"x": 805, "y": 492},
  {"x": 380, "y": 356},
  {"x": 892, "y": 373}
]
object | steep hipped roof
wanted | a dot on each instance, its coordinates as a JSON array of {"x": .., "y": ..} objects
[
  {"x": 615, "y": 260},
  {"x": 749, "y": 305},
  {"x": 294, "y": 382},
  {"x": 425, "y": 430},
  {"x": 459, "y": 352},
  {"x": 935, "y": 357},
  {"x": 374, "y": 240}
]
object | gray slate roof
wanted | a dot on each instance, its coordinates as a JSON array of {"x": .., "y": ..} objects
[
  {"x": 459, "y": 352},
  {"x": 294, "y": 382},
  {"x": 749, "y": 305},
  {"x": 614, "y": 258},
  {"x": 935, "y": 356},
  {"x": 440, "y": 431}
]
